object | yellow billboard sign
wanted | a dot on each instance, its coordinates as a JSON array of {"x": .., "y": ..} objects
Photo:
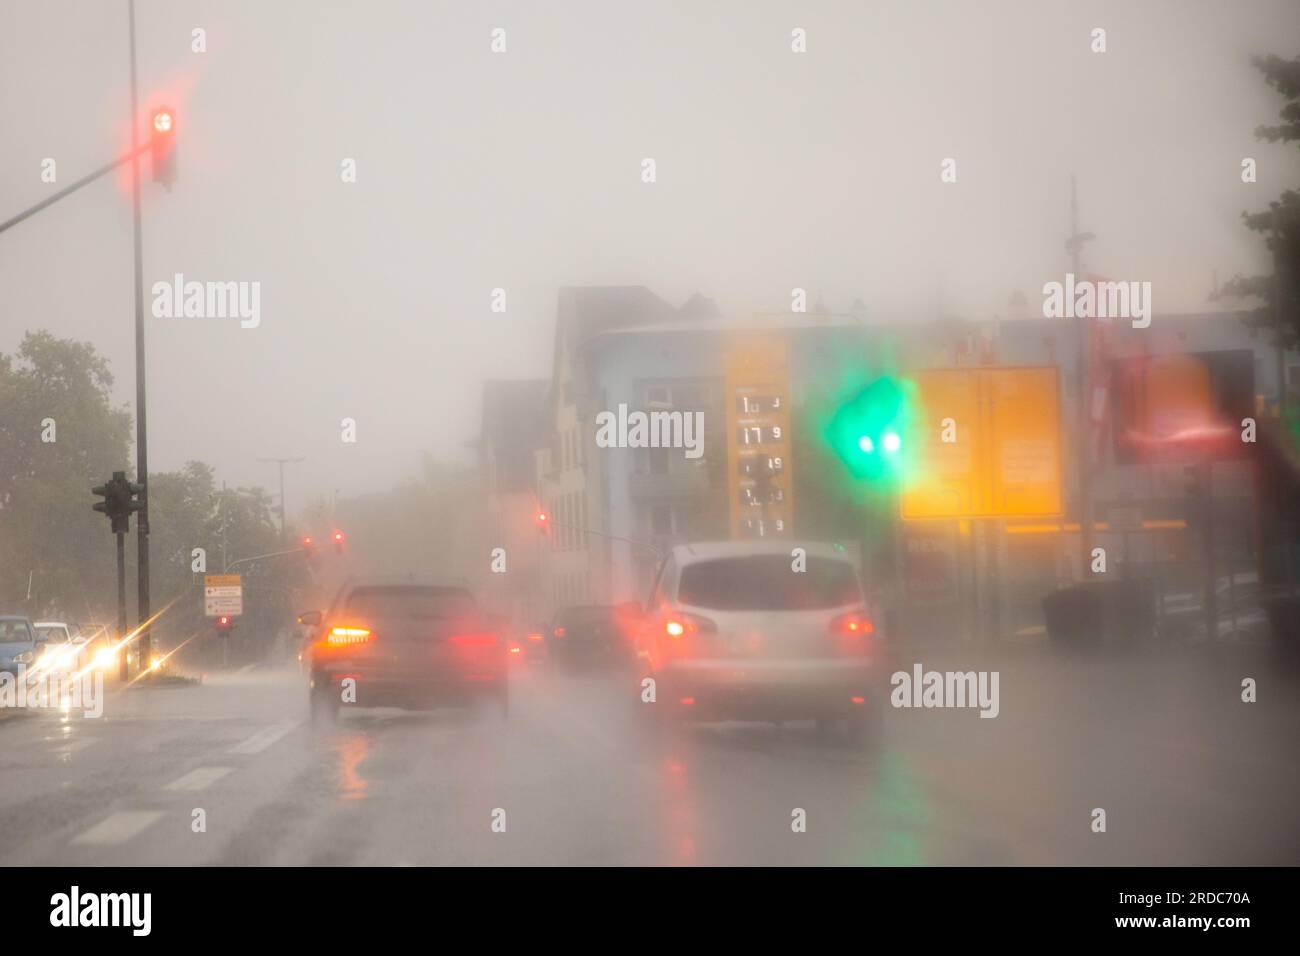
[
  {"x": 759, "y": 481},
  {"x": 988, "y": 444}
]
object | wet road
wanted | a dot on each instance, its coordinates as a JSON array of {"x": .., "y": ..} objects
[{"x": 1187, "y": 774}]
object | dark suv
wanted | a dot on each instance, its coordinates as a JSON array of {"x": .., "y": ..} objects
[
  {"x": 589, "y": 635},
  {"x": 417, "y": 646}
]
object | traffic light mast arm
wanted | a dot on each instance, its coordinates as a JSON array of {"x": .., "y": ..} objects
[
  {"x": 258, "y": 557},
  {"x": 609, "y": 537},
  {"x": 83, "y": 181}
]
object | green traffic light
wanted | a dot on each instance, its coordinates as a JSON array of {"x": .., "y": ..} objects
[{"x": 866, "y": 431}]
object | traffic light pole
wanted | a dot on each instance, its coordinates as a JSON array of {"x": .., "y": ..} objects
[
  {"x": 141, "y": 431},
  {"x": 1084, "y": 331},
  {"x": 122, "y": 668}
]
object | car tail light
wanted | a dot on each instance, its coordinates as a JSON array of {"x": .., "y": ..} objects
[
  {"x": 348, "y": 635},
  {"x": 535, "y": 636},
  {"x": 678, "y": 626},
  {"x": 558, "y": 632},
  {"x": 853, "y": 624},
  {"x": 476, "y": 639}
]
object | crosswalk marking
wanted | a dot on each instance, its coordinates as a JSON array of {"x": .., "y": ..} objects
[
  {"x": 199, "y": 779},
  {"x": 264, "y": 738},
  {"x": 119, "y": 827}
]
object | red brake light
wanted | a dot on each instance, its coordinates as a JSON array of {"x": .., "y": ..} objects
[
  {"x": 558, "y": 632},
  {"x": 534, "y": 636},
  {"x": 348, "y": 635},
  {"x": 853, "y": 624}
]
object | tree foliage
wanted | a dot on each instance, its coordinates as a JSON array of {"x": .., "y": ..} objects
[
  {"x": 54, "y": 550},
  {"x": 1279, "y": 293}
]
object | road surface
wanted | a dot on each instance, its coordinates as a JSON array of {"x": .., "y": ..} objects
[{"x": 1186, "y": 772}]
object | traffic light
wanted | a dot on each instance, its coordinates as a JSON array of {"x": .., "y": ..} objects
[
  {"x": 119, "y": 501},
  {"x": 135, "y": 495},
  {"x": 162, "y": 146},
  {"x": 543, "y": 522},
  {"x": 868, "y": 431},
  {"x": 338, "y": 542},
  {"x": 308, "y": 546},
  {"x": 224, "y": 624}
]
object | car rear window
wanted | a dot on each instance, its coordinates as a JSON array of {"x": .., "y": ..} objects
[
  {"x": 412, "y": 603},
  {"x": 55, "y": 634},
  {"x": 766, "y": 582}
]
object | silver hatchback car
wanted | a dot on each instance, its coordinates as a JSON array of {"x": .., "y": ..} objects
[{"x": 761, "y": 631}]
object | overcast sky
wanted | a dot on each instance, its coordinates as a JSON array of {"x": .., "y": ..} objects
[{"x": 522, "y": 170}]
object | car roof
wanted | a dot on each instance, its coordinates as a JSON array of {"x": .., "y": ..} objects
[
  {"x": 13, "y": 617},
  {"x": 49, "y": 624},
  {"x": 713, "y": 550}
]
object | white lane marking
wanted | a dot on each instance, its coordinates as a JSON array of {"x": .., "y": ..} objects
[
  {"x": 119, "y": 827},
  {"x": 63, "y": 748},
  {"x": 199, "y": 779},
  {"x": 264, "y": 738}
]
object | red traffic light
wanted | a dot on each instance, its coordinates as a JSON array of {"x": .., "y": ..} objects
[
  {"x": 223, "y": 623},
  {"x": 338, "y": 541},
  {"x": 162, "y": 145},
  {"x": 338, "y": 535},
  {"x": 543, "y": 522}
]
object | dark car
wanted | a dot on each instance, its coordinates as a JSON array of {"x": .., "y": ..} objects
[
  {"x": 527, "y": 643},
  {"x": 589, "y": 635},
  {"x": 417, "y": 646}
]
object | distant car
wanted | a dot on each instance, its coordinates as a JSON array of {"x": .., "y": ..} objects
[
  {"x": 734, "y": 630},
  {"x": 60, "y": 647},
  {"x": 589, "y": 635},
  {"x": 527, "y": 642},
  {"x": 99, "y": 649},
  {"x": 18, "y": 645},
  {"x": 417, "y": 646}
]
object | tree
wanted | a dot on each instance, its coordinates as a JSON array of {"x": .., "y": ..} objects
[
  {"x": 1279, "y": 224},
  {"x": 60, "y": 434}
]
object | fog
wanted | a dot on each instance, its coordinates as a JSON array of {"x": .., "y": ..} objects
[{"x": 521, "y": 171}]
